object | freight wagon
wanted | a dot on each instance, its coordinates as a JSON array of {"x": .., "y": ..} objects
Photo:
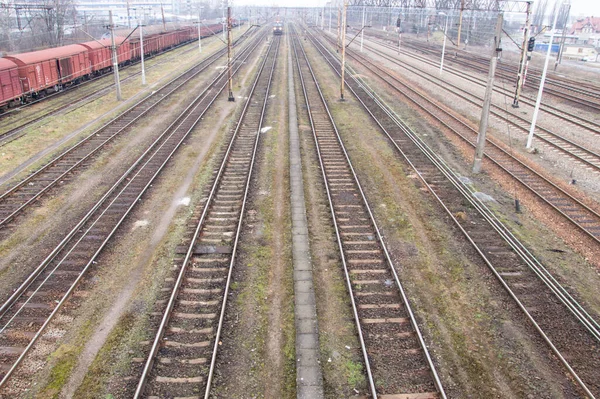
[
  {"x": 35, "y": 74},
  {"x": 10, "y": 86}
]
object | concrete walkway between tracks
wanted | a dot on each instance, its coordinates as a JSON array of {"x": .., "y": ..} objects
[{"x": 309, "y": 376}]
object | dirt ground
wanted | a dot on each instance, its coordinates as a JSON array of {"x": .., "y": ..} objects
[
  {"x": 257, "y": 356},
  {"x": 133, "y": 247},
  {"x": 467, "y": 318}
]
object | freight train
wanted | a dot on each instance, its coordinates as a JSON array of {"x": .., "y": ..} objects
[{"x": 28, "y": 76}]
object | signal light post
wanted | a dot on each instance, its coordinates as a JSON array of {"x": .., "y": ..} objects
[
  {"x": 114, "y": 57},
  {"x": 527, "y": 46},
  {"x": 230, "y": 82},
  {"x": 343, "y": 48}
]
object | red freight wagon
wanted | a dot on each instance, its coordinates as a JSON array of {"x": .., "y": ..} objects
[
  {"x": 100, "y": 54},
  {"x": 52, "y": 68},
  {"x": 10, "y": 87}
]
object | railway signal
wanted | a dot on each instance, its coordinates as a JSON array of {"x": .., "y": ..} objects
[{"x": 487, "y": 98}]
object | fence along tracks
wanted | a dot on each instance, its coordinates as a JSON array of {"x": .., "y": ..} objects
[
  {"x": 25, "y": 315},
  {"x": 27, "y": 191},
  {"x": 572, "y": 334},
  {"x": 394, "y": 351},
  {"x": 182, "y": 359},
  {"x": 589, "y": 158},
  {"x": 576, "y": 212}
]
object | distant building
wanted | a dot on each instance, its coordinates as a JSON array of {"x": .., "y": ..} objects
[
  {"x": 581, "y": 52},
  {"x": 588, "y": 30}
]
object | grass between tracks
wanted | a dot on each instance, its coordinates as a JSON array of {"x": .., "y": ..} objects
[
  {"x": 472, "y": 337},
  {"x": 59, "y": 127}
]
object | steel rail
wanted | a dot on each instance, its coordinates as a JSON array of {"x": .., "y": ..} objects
[
  {"x": 80, "y": 85},
  {"x": 194, "y": 71},
  {"x": 545, "y": 136},
  {"x": 591, "y": 126},
  {"x": 497, "y": 162},
  {"x": 72, "y": 287},
  {"x": 19, "y": 291},
  {"x": 390, "y": 263},
  {"x": 468, "y": 59},
  {"x": 190, "y": 251},
  {"x": 589, "y": 323}
]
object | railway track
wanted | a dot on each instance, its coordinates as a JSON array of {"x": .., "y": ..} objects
[
  {"x": 20, "y": 196},
  {"x": 581, "y": 216},
  {"x": 32, "y": 306},
  {"x": 585, "y": 156},
  {"x": 83, "y": 95},
  {"x": 570, "y": 331},
  {"x": 563, "y": 115},
  {"x": 182, "y": 359},
  {"x": 569, "y": 90},
  {"x": 396, "y": 358}
]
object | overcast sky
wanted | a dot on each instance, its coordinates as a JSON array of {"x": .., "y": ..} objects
[{"x": 578, "y": 7}]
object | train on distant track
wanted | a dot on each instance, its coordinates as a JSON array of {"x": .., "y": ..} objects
[
  {"x": 29, "y": 76},
  {"x": 278, "y": 28}
]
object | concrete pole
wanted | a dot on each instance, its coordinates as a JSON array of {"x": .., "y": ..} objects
[
  {"x": 487, "y": 99},
  {"x": 444, "y": 45},
  {"x": 343, "y": 49},
  {"x": 128, "y": 17},
  {"x": 536, "y": 110},
  {"x": 142, "y": 52},
  {"x": 520, "y": 74},
  {"x": 362, "y": 32},
  {"x": 162, "y": 11},
  {"x": 339, "y": 30},
  {"x": 229, "y": 41},
  {"x": 199, "y": 34},
  {"x": 114, "y": 57},
  {"x": 562, "y": 41},
  {"x": 330, "y": 19},
  {"x": 323, "y": 19},
  {"x": 460, "y": 19}
]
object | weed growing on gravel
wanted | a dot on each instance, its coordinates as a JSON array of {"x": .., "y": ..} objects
[{"x": 354, "y": 373}]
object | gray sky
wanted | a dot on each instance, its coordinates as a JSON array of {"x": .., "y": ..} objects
[{"x": 586, "y": 8}]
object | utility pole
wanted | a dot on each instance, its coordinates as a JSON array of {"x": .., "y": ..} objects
[
  {"x": 362, "y": 31},
  {"x": 541, "y": 89},
  {"x": 114, "y": 57},
  {"x": 487, "y": 99},
  {"x": 563, "y": 38},
  {"x": 343, "y": 48},
  {"x": 162, "y": 11},
  {"x": 444, "y": 45},
  {"x": 523, "y": 61},
  {"x": 323, "y": 19},
  {"x": 142, "y": 52},
  {"x": 128, "y": 17},
  {"x": 231, "y": 97},
  {"x": 224, "y": 22},
  {"x": 330, "y": 19},
  {"x": 460, "y": 18},
  {"x": 339, "y": 30},
  {"x": 199, "y": 34}
]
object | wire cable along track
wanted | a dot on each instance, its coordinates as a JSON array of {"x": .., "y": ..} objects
[
  {"x": 27, "y": 191},
  {"x": 182, "y": 358},
  {"x": 25, "y": 315},
  {"x": 396, "y": 357},
  {"x": 574, "y": 211},
  {"x": 571, "y": 332}
]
